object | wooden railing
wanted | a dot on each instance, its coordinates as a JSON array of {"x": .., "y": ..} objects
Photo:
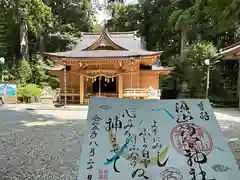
[
  {"x": 106, "y": 94},
  {"x": 126, "y": 92},
  {"x": 73, "y": 95},
  {"x": 70, "y": 92},
  {"x": 135, "y": 92},
  {"x": 142, "y": 93}
]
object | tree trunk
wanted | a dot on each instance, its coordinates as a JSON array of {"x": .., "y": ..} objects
[
  {"x": 238, "y": 85},
  {"x": 146, "y": 23},
  {"x": 184, "y": 42},
  {"x": 41, "y": 44},
  {"x": 24, "y": 41}
]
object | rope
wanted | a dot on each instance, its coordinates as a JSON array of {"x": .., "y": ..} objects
[
  {"x": 99, "y": 82},
  {"x": 131, "y": 76},
  {"x": 93, "y": 77}
]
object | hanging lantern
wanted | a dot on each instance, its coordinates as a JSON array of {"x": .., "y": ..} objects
[
  {"x": 112, "y": 79},
  {"x": 87, "y": 79}
]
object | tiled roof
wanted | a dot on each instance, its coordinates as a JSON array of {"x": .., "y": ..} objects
[
  {"x": 128, "y": 40},
  {"x": 231, "y": 50},
  {"x": 102, "y": 54},
  {"x": 133, "y": 45}
]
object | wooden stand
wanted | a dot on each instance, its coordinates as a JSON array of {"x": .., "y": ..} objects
[{"x": 10, "y": 99}]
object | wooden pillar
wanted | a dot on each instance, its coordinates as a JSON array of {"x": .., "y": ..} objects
[
  {"x": 238, "y": 84},
  {"x": 120, "y": 86},
  {"x": 81, "y": 89}
]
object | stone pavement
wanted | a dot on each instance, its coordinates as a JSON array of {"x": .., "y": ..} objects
[{"x": 45, "y": 144}]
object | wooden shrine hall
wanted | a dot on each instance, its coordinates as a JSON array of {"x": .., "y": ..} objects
[
  {"x": 232, "y": 53},
  {"x": 108, "y": 64}
]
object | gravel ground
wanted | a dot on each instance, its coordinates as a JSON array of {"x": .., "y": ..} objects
[{"x": 46, "y": 144}]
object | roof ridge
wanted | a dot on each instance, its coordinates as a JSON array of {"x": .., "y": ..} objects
[
  {"x": 231, "y": 46},
  {"x": 111, "y": 33},
  {"x": 127, "y": 32}
]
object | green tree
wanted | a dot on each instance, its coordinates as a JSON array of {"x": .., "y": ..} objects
[
  {"x": 24, "y": 71},
  {"x": 70, "y": 17},
  {"x": 120, "y": 19},
  {"x": 195, "y": 69},
  {"x": 97, "y": 27}
]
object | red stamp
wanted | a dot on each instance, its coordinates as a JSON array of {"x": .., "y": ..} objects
[
  {"x": 188, "y": 137},
  {"x": 103, "y": 174}
]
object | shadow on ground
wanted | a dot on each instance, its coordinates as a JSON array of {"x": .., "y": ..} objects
[
  {"x": 34, "y": 145},
  {"x": 46, "y": 144},
  {"x": 231, "y": 112},
  {"x": 229, "y": 120}
]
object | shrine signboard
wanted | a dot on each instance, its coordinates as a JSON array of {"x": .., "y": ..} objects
[{"x": 156, "y": 140}]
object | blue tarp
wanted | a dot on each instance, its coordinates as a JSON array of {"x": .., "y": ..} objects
[{"x": 8, "y": 89}]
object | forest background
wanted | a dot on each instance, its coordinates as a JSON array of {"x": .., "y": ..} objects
[{"x": 188, "y": 31}]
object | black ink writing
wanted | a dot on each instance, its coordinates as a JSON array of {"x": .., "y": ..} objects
[
  {"x": 157, "y": 143},
  {"x": 140, "y": 172},
  {"x": 144, "y": 135},
  {"x": 203, "y": 114},
  {"x": 183, "y": 112},
  {"x": 154, "y": 127},
  {"x": 96, "y": 120},
  {"x": 90, "y": 163},
  {"x": 159, "y": 163},
  {"x": 128, "y": 127},
  {"x": 114, "y": 123},
  {"x": 134, "y": 152},
  {"x": 92, "y": 152}
]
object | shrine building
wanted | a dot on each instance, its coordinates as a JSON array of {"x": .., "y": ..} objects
[
  {"x": 232, "y": 53},
  {"x": 108, "y": 64}
]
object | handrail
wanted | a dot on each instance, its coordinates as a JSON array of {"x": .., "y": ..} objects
[
  {"x": 70, "y": 91},
  {"x": 126, "y": 92},
  {"x": 138, "y": 90}
]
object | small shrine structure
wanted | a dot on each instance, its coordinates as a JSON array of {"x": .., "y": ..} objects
[
  {"x": 232, "y": 53},
  {"x": 108, "y": 64}
]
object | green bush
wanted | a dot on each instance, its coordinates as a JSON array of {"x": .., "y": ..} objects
[
  {"x": 27, "y": 92},
  {"x": 51, "y": 81},
  {"x": 24, "y": 71}
]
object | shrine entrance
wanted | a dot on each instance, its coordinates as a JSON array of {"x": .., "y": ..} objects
[{"x": 104, "y": 85}]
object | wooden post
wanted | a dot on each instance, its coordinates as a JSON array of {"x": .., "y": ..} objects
[
  {"x": 238, "y": 84},
  {"x": 65, "y": 84},
  {"x": 81, "y": 89},
  {"x": 99, "y": 86},
  {"x": 120, "y": 86}
]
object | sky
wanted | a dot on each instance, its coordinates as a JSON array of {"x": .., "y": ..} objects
[
  {"x": 103, "y": 16},
  {"x": 131, "y": 1}
]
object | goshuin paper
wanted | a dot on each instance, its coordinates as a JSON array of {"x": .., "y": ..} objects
[{"x": 156, "y": 140}]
